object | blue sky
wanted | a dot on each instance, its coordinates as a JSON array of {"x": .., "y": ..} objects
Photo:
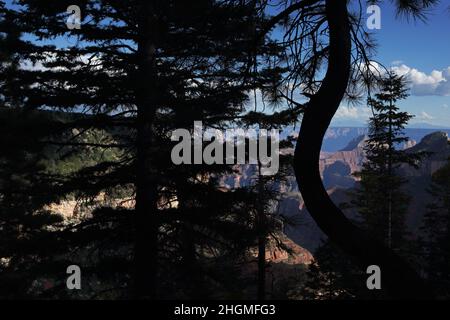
[{"x": 420, "y": 50}]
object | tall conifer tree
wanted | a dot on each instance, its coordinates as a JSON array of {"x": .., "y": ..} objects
[
  {"x": 137, "y": 71},
  {"x": 380, "y": 199}
]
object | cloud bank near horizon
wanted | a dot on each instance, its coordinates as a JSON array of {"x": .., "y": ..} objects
[{"x": 436, "y": 83}]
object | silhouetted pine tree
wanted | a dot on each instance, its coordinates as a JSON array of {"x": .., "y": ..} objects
[
  {"x": 137, "y": 71},
  {"x": 379, "y": 198},
  {"x": 25, "y": 185},
  {"x": 267, "y": 221}
]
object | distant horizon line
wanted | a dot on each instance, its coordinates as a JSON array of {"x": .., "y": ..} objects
[{"x": 413, "y": 126}]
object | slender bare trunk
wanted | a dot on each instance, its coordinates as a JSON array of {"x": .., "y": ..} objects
[
  {"x": 262, "y": 238},
  {"x": 390, "y": 146}
]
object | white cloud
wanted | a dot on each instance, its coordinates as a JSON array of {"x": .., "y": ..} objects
[
  {"x": 86, "y": 59},
  {"x": 29, "y": 66},
  {"x": 425, "y": 116},
  {"x": 396, "y": 62},
  {"x": 437, "y": 83},
  {"x": 352, "y": 113},
  {"x": 445, "y": 106},
  {"x": 372, "y": 67}
]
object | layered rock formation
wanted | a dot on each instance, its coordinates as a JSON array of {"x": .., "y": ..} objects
[{"x": 336, "y": 171}]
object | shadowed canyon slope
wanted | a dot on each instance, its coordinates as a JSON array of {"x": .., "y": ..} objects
[{"x": 337, "y": 170}]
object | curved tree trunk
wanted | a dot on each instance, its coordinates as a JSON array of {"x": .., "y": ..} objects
[{"x": 398, "y": 279}]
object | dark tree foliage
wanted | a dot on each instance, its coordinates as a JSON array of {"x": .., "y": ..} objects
[
  {"x": 380, "y": 199},
  {"x": 132, "y": 74},
  {"x": 436, "y": 240},
  {"x": 25, "y": 183},
  {"x": 334, "y": 276},
  {"x": 135, "y": 71},
  {"x": 25, "y": 187}
]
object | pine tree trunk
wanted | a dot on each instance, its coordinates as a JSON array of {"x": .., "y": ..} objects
[
  {"x": 191, "y": 274},
  {"x": 390, "y": 174},
  {"x": 262, "y": 238},
  {"x": 145, "y": 260},
  {"x": 398, "y": 278},
  {"x": 261, "y": 268}
]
